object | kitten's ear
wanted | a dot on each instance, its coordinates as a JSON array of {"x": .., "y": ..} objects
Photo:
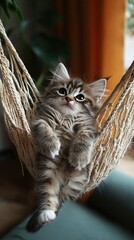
[
  {"x": 61, "y": 72},
  {"x": 98, "y": 88}
]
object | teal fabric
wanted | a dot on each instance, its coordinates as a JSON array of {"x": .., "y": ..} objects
[
  {"x": 76, "y": 222},
  {"x": 114, "y": 198}
]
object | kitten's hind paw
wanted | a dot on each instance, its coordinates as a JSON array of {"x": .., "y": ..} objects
[
  {"x": 47, "y": 216},
  {"x": 33, "y": 225},
  {"x": 36, "y": 222}
]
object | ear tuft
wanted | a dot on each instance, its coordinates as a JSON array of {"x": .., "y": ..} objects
[
  {"x": 61, "y": 72},
  {"x": 98, "y": 88}
]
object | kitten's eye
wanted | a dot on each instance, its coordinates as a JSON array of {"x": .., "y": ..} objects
[
  {"x": 62, "y": 92},
  {"x": 80, "y": 98}
]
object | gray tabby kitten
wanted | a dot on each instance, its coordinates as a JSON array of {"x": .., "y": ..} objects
[{"x": 65, "y": 130}]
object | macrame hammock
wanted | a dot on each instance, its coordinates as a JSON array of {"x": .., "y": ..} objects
[{"x": 19, "y": 94}]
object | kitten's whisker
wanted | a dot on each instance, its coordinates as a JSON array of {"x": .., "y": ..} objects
[
  {"x": 49, "y": 92},
  {"x": 52, "y": 79}
]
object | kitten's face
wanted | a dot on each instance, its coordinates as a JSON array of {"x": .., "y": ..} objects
[{"x": 71, "y": 96}]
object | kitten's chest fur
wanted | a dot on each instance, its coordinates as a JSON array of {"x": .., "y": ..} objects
[
  {"x": 65, "y": 130},
  {"x": 63, "y": 126},
  {"x": 66, "y": 127}
]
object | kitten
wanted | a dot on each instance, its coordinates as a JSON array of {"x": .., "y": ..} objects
[{"x": 65, "y": 130}]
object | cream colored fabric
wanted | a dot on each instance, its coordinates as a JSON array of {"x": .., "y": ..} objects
[{"x": 19, "y": 94}]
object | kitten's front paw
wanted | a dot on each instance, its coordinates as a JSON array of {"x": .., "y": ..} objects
[
  {"x": 55, "y": 149},
  {"x": 51, "y": 148},
  {"x": 79, "y": 160}
]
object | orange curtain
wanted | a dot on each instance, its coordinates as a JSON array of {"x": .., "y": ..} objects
[{"x": 95, "y": 31}]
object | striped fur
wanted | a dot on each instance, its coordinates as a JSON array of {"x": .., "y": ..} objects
[{"x": 65, "y": 131}]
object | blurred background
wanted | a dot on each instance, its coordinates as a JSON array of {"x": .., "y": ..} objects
[
  {"x": 92, "y": 38},
  {"x": 88, "y": 36}
]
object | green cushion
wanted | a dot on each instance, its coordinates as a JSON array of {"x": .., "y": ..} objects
[{"x": 74, "y": 222}]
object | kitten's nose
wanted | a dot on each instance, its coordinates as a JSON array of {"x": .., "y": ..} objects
[{"x": 69, "y": 100}]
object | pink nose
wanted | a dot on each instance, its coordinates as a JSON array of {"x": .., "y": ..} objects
[{"x": 69, "y": 99}]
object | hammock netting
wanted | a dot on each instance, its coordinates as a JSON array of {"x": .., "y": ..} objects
[{"x": 19, "y": 94}]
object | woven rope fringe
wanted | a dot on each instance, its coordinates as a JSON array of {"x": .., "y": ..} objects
[
  {"x": 18, "y": 97},
  {"x": 19, "y": 94}
]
